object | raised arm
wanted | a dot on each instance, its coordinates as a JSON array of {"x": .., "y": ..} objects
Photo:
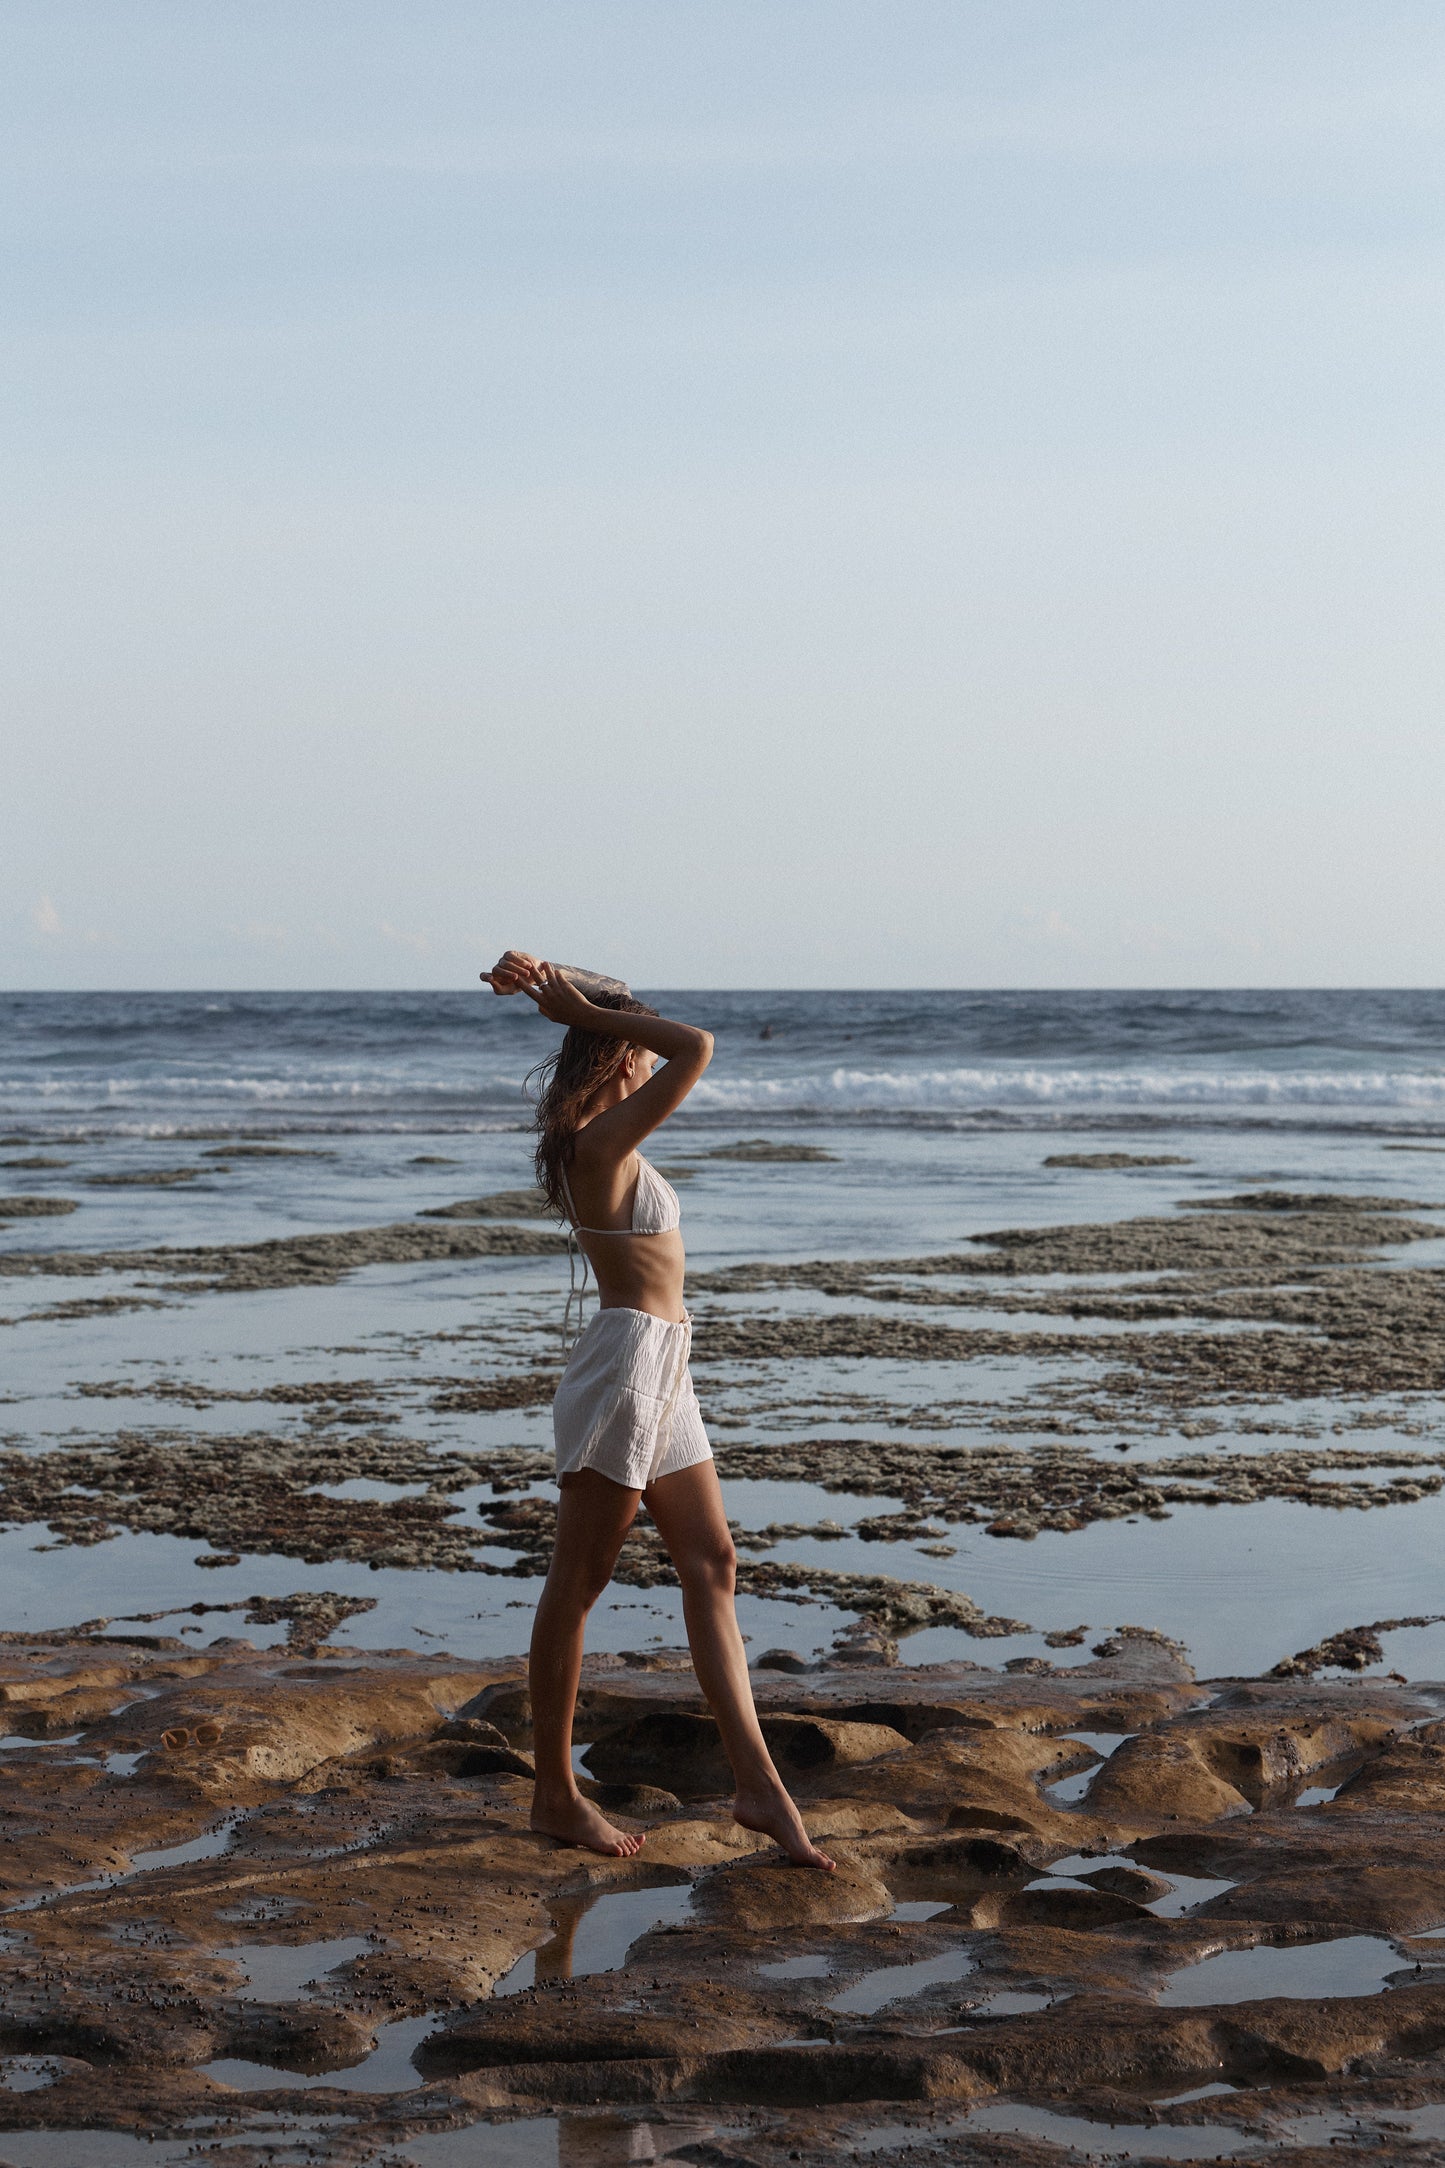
[{"x": 683, "y": 1049}]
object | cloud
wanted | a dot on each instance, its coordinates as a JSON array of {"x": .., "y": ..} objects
[
  {"x": 45, "y": 918},
  {"x": 260, "y": 933},
  {"x": 418, "y": 943}
]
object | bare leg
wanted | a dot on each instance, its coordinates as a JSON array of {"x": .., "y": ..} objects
[
  {"x": 688, "y": 1510},
  {"x": 593, "y": 1516}
]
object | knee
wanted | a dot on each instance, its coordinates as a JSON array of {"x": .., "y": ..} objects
[
  {"x": 712, "y": 1566},
  {"x": 581, "y": 1581}
]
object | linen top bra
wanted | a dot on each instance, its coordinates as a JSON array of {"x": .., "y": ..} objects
[{"x": 656, "y": 1210}]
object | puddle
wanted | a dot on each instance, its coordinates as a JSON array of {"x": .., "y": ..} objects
[
  {"x": 549, "y": 2141},
  {"x": 1305, "y": 1971},
  {"x": 209, "y": 1845},
  {"x": 1187, "y": 1893},
  {"x": 89, "y": 2149},
  {"x": 1136, "y": 2141},
  {"x": 594, "y": 1934},
  {"x": 1066, "y": 1790},
  {"x": 27, "y": 2074},
  {"x": 280, "y": 1971},
  {"x": 258, "y": 1911},
  {"x": 797, "y": 1968},
  {"x": 918, "y": 1908},
  {"x": 1190, "y": 1891},
  {"x": 1316, "y": 1795},
  {"x": 1015, "y": 2002},
  {"x": 121, "y": 1765},
  {"x": 896, "y": 1983},
  {"x": 387, "y": 2069},
  {"x": 1216, "y": 2091}
]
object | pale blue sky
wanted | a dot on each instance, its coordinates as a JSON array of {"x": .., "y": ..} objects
[{"x": 923, "y": 492}]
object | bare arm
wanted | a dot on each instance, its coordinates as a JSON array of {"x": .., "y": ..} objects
[{"x": 684, "y": 1049}]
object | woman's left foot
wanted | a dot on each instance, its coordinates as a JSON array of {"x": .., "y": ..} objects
[{"x": 773, "y": 1814}]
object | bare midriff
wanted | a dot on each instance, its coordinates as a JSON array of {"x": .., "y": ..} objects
[{"x": 638, "y": 1272}]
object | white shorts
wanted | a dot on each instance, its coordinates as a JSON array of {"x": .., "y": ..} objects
[{"x": 626, "y": 1404}]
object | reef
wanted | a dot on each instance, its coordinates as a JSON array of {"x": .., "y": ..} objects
[
  {"x": 237, "y": 1883},
  {"x": 1108, "y": 1161},
  {"x": 315, "y": 1260}
]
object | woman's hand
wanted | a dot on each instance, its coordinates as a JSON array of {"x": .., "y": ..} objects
[
  {"x": 560, "y": 1001},
  {"x": 555, "y": 995},
  {"x": 514, "y": 973}
]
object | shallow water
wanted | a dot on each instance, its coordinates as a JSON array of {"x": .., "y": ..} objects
[
  {"x": 897, "y": 1983},
  {"x": 939, "y": 1111},
  {"x": 548, "y": 2141},
  {"x": 1350, "y": 1965},
  {"x": 387, "y": 2069},
  {"x": 1139, "y": 2141},
  {"x": 281, "y": 1971},
  {"x": 595, "y": 1934}
]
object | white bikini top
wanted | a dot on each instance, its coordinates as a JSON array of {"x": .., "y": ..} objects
[
  {"x": 656, "y": 1210},
  {"x": 656, "y": 1206}
]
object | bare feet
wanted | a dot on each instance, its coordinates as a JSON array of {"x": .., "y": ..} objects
[
  {"x": 577, "y": 1821},
  {"x": 773, "y": 1814}
]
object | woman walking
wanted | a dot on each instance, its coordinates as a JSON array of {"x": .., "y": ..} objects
[{"x": 626, "y": 1420}]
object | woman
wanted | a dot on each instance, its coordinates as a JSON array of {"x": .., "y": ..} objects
[{"x": 626, "y": 1418}]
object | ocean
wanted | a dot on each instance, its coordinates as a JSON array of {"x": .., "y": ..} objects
[
  {"x": 153, "y": 1064},
  {"x": 934, "y": 1117}
]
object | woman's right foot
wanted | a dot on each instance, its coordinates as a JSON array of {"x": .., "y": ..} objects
[
  {"x": 577, "y": 1821},
  {"x": 772, "y": 1814}
]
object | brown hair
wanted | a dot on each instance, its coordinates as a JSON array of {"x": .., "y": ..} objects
[{"x": 567, "y": 1082}]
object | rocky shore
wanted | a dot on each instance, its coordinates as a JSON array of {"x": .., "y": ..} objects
[
  {"x": 237, "y": 1884},
  {"x": 280, "y": 1903}
]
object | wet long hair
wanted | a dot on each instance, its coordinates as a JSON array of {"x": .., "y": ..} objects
[{"x": 565, "y": 1085}]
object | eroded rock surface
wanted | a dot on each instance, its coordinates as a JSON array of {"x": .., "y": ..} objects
[{"x": 301, "y": 1866}]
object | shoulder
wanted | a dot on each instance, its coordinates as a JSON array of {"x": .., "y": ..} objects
[{"x": 594, "y": 1150}]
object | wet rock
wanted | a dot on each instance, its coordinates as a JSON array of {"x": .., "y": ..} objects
[
  {"x": 1116, "y": 1159},
  {"x": 780, "y": 1660},
  {"x": 1126, "y": 1882},
  {"x": 473, "y": 1730},
  {"x": 145, "y": 1178},
  {"x": 266, "y": 1151},
  {"x": 504, "y": 1204},
  {"x": 317, "y": 1260},
  {"x": 1161, "y": 1777},
  {"x": 759, "y": 1151},
  {"x": 684, "y": 1752},
  {"x": 436, "y": 1874},
  {"x": 458, "y": 1758},
  {"x": 35, "y": 1207},
  {"x": 1355, "y": 1648},
  {"x": 505, "y": 1706},
  {"x": 1408, "y": 1778},
  {"x": 775, "y": 1896},
  {"x": 276, "y": 1730},
  {"x": 638, "y": 1799}
]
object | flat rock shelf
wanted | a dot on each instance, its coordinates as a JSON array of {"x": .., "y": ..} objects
[{"x": 237, "y": 1882}]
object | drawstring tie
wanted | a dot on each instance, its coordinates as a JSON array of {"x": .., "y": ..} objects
[
  {"x": 679, "y": 1379},
  {"x": 576, "y": 1291}
]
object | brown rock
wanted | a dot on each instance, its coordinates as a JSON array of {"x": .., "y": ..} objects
[{"x": 774, "y": 1896}]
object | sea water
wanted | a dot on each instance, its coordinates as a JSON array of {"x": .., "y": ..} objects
[{"x": 940, "y": 1110}]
